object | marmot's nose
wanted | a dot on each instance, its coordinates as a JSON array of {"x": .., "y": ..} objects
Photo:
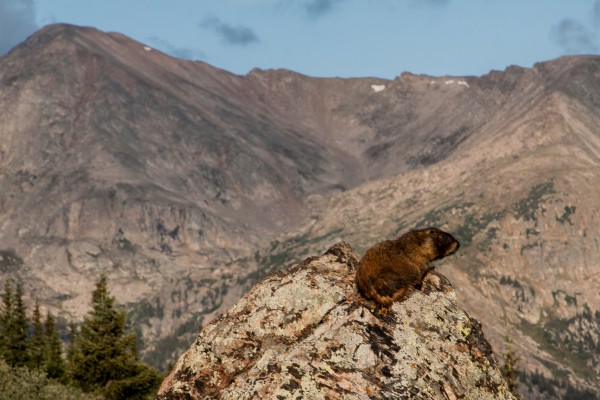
[{"x": 453, "y": 248}]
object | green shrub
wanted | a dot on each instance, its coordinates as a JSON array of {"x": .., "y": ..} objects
[{"x": 23, "y": 383}]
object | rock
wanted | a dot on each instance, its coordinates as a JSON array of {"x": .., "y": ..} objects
[{"x": 306, "y": 333}]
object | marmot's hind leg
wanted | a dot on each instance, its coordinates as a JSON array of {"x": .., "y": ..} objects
[{"x": 386, "y": 302}]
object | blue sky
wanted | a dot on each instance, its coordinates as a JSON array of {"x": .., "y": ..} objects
[{"x": 381, "y": 38}]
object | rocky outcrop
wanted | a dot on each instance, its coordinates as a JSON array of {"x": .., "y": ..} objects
[{"x": 305, "y": 333}]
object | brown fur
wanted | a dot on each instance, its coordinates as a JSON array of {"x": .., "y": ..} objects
[{"x": 390, "y": 269}]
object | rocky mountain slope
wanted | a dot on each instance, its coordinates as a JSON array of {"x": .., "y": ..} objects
[
  {"x": 305, "y": 333},
  {"x": 521, "y": 195},
  {"x": 185, "y": 184}
]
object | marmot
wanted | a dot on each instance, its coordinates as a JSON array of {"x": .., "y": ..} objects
[{"x": 390, "y": 269}]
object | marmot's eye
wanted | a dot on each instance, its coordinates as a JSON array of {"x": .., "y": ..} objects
[{"x": 441, "y": 235}]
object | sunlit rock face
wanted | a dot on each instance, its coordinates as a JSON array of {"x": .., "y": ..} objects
[{"x": 304, "y": 332}]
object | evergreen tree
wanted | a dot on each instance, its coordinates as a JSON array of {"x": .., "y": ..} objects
[
  {"x": 510, "y": 369},
  {"x": 103, "y": 356},
  {"x": 72, "y": 335},
  {"x": 38, "y": 342},
  {"x": 15, "y": 325},
  {"x": 20, "y": 343},
  {"x": 6, "y": 316},
  {"x": 53, "y": 361}
]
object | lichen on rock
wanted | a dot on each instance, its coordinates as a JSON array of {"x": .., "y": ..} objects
[{"x": 305, "y": 333}]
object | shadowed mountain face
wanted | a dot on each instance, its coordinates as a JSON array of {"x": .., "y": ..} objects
[{"x": 185, "y": 183}]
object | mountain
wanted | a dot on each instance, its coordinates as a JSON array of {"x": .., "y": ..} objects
[
  {"x": 186, "y": 184},
  {"x": 520, "y": 192},
  {"x": 117, "y": 158}
]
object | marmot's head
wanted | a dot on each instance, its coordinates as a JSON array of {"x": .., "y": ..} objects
[
  {"x": 435, "y": 242},
  {"x": 444, "y": 242}
]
